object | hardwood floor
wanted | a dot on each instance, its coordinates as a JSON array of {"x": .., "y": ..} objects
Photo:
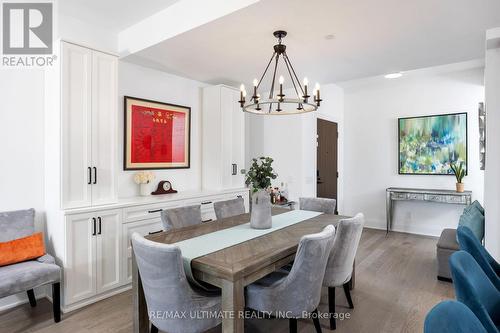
[{"x": 396, "y": 286}]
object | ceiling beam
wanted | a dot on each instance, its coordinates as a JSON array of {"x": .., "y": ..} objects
[{"x": 180, "y": 17}]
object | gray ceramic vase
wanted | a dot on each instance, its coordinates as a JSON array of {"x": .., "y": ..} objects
[{"x": 261, "y": 210}]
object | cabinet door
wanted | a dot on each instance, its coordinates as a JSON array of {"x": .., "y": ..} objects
[
  {"x": 144, "y": 228},
  {"x": 237, "y": 142},
  {"x": 79, "y": 271},
  {"x": 76, "y": 125},
  {"x": 104, "y": 119},
  {"x": 226, "y": 104},
  {"x": 108, "y": 249}
]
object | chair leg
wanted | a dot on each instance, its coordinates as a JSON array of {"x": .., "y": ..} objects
[
  {"x": 347, "y": 291},
  {"x": 56, "y": 301},
  {"x": 293, "y": 325},
  {"x": 331, "y": 307},
  {"x": 317, "y": 326},
  {"x": 31, "y": 297},
  {"x": 154, "y": 329}
]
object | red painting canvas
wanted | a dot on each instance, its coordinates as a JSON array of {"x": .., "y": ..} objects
[{"x": 157, "y": 135}]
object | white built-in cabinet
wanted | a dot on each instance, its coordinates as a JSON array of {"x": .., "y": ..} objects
[
  {"x": 89, "y": 117},
  {"x": 93, "y": 263},
  {"x": 223, "y": 151}
]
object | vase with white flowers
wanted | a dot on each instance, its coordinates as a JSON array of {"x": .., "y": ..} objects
[{"x": 143, "y": 178}]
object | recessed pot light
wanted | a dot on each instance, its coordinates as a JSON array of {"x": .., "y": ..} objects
[
  {"x": 331, "y": 36},
  {"x": 393, "y": 75}
]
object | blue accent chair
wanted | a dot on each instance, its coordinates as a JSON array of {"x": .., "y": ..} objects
[
  {"x": 452, "y": 317},
  {"x": 468, "y": 242},
  {"x": 474, "y": 289}
]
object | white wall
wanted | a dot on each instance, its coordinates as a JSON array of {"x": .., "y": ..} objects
[
  {"x": 291, "y": 142},
  {"x": 142, "y": 82},
  {"x": 492, "y": 174},
  {"x": 372, "y": 107},
  {"x": 22, "y": 146}
]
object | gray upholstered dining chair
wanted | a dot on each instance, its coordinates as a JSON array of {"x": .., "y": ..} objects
[
  {"x": 340, "y": 264},
  {"x": 322, "y": 205},
  {"x": 167, "y": 290},
  {"x": 228, "y": 208},
  {"x": 27, "y": 275},
  {"x": 180, "y": 217},
  {"x": 298, "y": 291}
]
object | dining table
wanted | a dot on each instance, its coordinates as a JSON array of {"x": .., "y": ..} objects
[{"x": 234, "y": 267}]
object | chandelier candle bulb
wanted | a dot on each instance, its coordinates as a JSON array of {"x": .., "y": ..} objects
[
  {"x": 306, "y": 96},
  {"x": 281, "y": 80},
  {"x": 255, "y": 85}
]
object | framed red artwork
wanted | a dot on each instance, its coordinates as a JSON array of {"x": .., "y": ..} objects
[{"x": 157, "y": 135}]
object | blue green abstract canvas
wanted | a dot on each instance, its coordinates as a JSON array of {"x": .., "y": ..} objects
[{"x": 427, "y": 145}]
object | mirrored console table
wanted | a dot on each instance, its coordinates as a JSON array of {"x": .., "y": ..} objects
[{"x": 413, "y": 194}]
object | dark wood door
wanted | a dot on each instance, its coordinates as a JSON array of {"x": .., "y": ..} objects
[{"x": 327, "y": 159}]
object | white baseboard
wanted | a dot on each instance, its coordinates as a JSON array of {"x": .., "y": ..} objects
[{"x": 100, "y": 297}]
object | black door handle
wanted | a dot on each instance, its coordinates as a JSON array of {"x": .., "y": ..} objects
[
  {"x": 90, "y": 176},
  {"x": 95, "y": 175},
  {"x": 93, "y": 226},
  {"x": 206, "y": 202},
  {"x": 235, "y": 171},
  {"x": 100, "y": 225},
  {"x": 154, "y": 211}
]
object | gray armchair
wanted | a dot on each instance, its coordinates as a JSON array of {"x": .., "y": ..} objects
[
  {"x": 27, "y": 275},
  {"x": 299, "y": 291},
  {"x": 228, "y": 208},
  {"x": 181, "y": 217},
  {"x": 340, "y": 264},
  {"x": 167, "y": 290},
  {"x": 322, "y": 205}
]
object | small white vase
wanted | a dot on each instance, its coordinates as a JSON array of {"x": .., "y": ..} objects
[
  {"x": 261, "y": 210},
  {"x": 144, "y": 189}
]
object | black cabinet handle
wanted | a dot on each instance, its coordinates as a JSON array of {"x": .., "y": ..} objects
[
  {"x": 95, "y": 175},
  {"x": 206, "y": 202},
  {"x": 206, "y": 220},
  {"x": 239, "y": 196},
  {"x": 235, "y": 169},
  {"x": 155, "y": 232},
  {"x": 93, "y": 226},
  {"x": 154, "y": 211},
  {"x": 90, "y": 175},
  {"x": 100, "y": 225}
]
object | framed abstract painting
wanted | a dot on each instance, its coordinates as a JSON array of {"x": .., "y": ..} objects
[
  {"x": 429, "y": 144},
  {"x": 156, "y": 135}
]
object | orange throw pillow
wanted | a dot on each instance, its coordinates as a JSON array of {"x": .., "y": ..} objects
[{"x": 22, "y": 249}]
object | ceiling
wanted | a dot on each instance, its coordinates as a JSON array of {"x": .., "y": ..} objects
[
  {"x": 370, "y": 38},
  {"x": 114, "y": 15}
]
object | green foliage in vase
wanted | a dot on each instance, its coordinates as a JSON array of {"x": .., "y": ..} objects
[
  {"x": 458, "y": 170},
  {"x": 260, "y": 174}
]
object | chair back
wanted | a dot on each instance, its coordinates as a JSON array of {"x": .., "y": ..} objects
[
  {"x": 345, "y": 246},
  {"x": 322, "y": 205},
  {"x": 229, "y": 208},
  {"x": 301, "y": 290},
  {"x": 176, "y": 218},
  {"x": 474, "y": 289},
  {"x": 16, "y": 224},
  {"x": 166, "y": 288},
  {"x": 452, "y": 317},
  {"x": 469, "y": 243}
]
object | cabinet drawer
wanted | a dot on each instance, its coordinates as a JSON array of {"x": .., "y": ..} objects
[
  {"x": 398, "y": 196},
  {"x": 458, "y": 199},
  {"x": 145, "y": 212},
  {"x": 415, "y": 196},
  {"x": 435, "y": 198}
]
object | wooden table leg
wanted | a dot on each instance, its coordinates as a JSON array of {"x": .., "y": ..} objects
[
  {"x": 353, "y": 276},
  {"x": 140, "y": 311},
  {"x": 233, "y": 303}
]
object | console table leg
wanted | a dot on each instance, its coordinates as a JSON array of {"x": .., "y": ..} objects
[{"x": 388, "y": 206}]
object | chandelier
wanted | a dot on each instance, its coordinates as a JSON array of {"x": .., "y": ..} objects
[{"x": 279, "y": 103}]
